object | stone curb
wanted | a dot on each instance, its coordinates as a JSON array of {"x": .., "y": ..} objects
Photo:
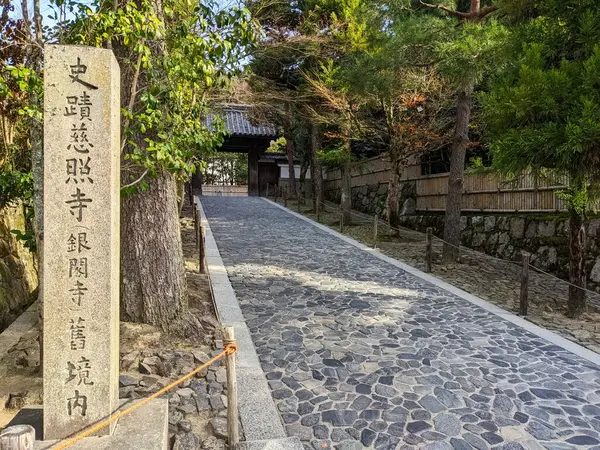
[
  {"x": 506, "y": 315},
  {"x": 258, "y": 414},
  {"x": 25, "y": 322}
]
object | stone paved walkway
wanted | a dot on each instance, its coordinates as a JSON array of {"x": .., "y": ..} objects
[{"x": 360, "y": 354}]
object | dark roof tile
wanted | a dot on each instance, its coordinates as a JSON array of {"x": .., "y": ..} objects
[{"x": 237, "y": 122}]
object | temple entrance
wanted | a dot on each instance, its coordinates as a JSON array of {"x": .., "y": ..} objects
[{"x": 240, "y": 159}]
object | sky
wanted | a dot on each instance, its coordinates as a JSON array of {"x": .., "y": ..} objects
[{"x": 48, "y": 10}]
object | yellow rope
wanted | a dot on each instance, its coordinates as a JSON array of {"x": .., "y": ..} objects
[{"x": 229, "y": 349}]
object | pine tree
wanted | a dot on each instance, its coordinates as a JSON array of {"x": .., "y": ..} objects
[{"x": 543, "y": 110}]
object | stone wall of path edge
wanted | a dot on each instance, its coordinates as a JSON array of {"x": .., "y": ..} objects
[
  {"x": 506, "y": 315},
  {"x": 259, "y": 416}
]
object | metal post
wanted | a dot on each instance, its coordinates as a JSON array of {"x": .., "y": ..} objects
[
  {"x": 17, "y": 437},
  {"x": 298, "y": 203},
  {"x": 285, "y": 197},
  {"x": 524, "y": 299},
  {"x": 267, "y": 190},
  {"x": 201, "y": 252},
  {"x": 275, "y": 194},
  {"x": 429, "y": 250},
  {"x": 341, "y": 220},
  {"x": 232, "y": 408},
  {"x": 375, "y": 226}
]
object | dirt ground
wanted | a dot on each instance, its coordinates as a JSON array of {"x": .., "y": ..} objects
[
  {"x": 492, "y": 279},
  {"x": 20, "y": 377}
]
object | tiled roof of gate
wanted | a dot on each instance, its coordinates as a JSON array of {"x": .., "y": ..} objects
[{"x": 237, "y": 122}]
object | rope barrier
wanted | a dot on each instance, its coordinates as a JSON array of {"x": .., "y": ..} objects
[
  {"x": 229, "y": 349},
  {"x": 564, "y": 281}
]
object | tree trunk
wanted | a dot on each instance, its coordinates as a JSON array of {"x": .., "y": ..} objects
[
  {"x": 457, "y": 173},
  {"x": 153, "y": 285},
  {"x": 393, "y": 195},
  {"x": 577, "y": 249},
  {"x": 316, "y": 169},
  {"x": 289, "y": 149},
  {"x": 346, "y": 200}
]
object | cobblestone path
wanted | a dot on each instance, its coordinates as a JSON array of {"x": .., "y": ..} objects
[{"x": 360, "y": 354}]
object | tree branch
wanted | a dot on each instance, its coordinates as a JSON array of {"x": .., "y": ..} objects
[
  {"x": 476, "y": 15},
  {"x": 136, "y": 181},
  {"x": 447, "y": 10},
  {"x": 487, "y": 10}
]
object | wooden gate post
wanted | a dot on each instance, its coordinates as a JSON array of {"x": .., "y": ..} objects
[
  {"x": 17, "y": 437},
  {"x": 429, "y": 250},
  {"x": 232, "y": 408},
  {"x": 524, "y": 298},
  {"x": 201, "y": 252}
]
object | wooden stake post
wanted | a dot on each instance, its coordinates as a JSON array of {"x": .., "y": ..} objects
[
  {"x": 201, "y": 252},
  {"x": 375, "y": 230},
  {"x": 17, "y": 437},
  {"x": 197, "y": 224},
  {"x": 524, "y": 298},
  {"x": 232, "y": 408},
  {"x": 429, "y": 250}
]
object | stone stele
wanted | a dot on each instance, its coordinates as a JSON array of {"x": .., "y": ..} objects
[{"x": 81, "y": 238}]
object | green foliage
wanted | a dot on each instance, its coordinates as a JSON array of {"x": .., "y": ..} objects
[
  {"x": 336, "y": 156},
  {"x": 200, "y": 49},
  {"x": 545, "y": 111},
  {"x": 466, "y": 53},
  {"x": 226, "y": 168},
  {"x": 277, "y": 146},
  {"x": 27, "y": 238},
  {"x": 14, "y": 186}
]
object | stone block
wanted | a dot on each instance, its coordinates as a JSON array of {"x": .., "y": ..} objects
[
  {"x": 144, "y": 428},
  {"x": 409, "y": 207},
  {"x": 531, "y": 230},
  {"x": 291, "y": 443},
  {"x": 546, "y": 228},
  {"x": 517, "y": 227},
  {"x": 595, "y": 273},
  {"x": 478, "y": 239},
  {"x": 81, "y": 237},
  {"x": 489, "y": 224}
]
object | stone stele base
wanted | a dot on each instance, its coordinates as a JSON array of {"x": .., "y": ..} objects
[{"x": 145, "y": 428}]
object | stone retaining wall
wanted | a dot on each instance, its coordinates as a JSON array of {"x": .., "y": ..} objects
[
  {"x": 503, "y": 236},
  {"x": 18, "y": 274}
]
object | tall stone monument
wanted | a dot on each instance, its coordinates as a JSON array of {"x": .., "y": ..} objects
[{"x": 81, "y": 238}]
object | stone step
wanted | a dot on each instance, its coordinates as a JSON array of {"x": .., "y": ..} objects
[{"x": 290, "y": 443}]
